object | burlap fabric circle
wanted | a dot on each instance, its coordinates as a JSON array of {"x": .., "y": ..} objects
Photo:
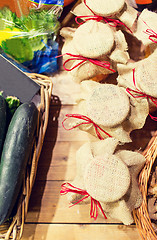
[
  {"x": 107, "y": 178},
  {"x": 147, "y": 76},
  {"x": 108, "y": 105},
  {"x": 68, "y": 47},
  {"x": 105, "y": 7},
  {"x": 145, "y": 73},
  {"x": 86, "y": 70},
  {"x": 93, "y": 39},
  {"x": 147, "y": 22}
]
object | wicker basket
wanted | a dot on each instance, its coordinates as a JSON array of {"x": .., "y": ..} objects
[
  {"x": 14, "y": 228},
  {"x": 141, "y": 215}
]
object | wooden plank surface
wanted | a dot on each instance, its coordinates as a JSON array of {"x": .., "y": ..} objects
[
  {"x": 49, "y": 216},
  {"x": 79, "y": 232}
]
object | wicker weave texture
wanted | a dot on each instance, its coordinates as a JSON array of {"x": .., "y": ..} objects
[
  {"x": 14, "y": 230},
  {"x": 141, "y": 215}
]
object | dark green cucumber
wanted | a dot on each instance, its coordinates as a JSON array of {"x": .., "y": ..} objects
[
  {"x": 16, "y": 151},
  {"x": 2, "y": 121}
]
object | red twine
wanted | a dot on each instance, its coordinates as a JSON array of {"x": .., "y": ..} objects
[
  {"x": 86, "y": 120},
  {"x": 141, "y": 95},
  {"x": 74, "y": 57},
  {"x": 152, "y": 34},
  {"x": 110, "y": 21},
  {"x": 67, "y": 187}
]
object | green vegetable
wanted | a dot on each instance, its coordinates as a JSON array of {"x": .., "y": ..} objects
[
  {"x": 37, "y": 20},
  {"x": 16, "y": 151},
  {"x": 2, "y": 121},
  {"x": 35, "y": 30},
  {"x": 13, "y": 103},
  {"x": 41, "y": 21},
  {"x": 6, "y": 13},
  {"x": 6, "y": 18},
  {"x": 19, "y": 48},
  {"x": 22, "y": 49}
]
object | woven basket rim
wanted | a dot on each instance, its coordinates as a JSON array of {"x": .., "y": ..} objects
[
  {"x": 14, "y": 230},
  {"x": 141, "y": 215}
]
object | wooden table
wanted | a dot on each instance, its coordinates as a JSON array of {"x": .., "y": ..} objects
[{"x": 49, "y": 216}]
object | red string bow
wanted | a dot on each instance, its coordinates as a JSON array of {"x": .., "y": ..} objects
[
  {"x": 95, "y": 205},
  {"x": 75, "y": 57},
  {"x": 152, "y": 34},
  {"x": 86, "y": 120},
  {"x": 141, "y": 95},
  {"x": 110, "y": 21}
]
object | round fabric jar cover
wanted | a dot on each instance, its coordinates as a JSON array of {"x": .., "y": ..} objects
[
  {"x": 108, "y": 105},
  {"x": 105, "y": 7},
  {"x": 146, "y": 76},
  {"x": 107, "y": 178},
  {"x": 93, "y": 39}
]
